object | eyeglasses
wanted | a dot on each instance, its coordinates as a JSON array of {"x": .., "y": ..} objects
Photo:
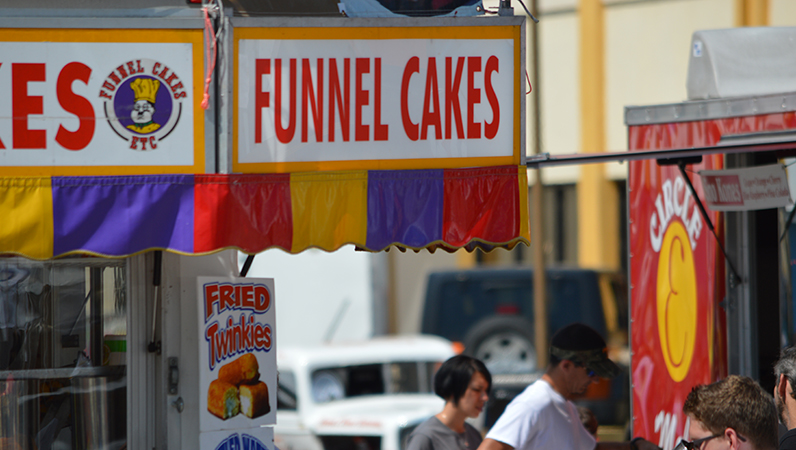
[
  {"x": 697, "y": 444},
  {"x": 589, "y": 372}
]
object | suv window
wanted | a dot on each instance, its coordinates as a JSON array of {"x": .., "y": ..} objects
[
  {"x": 455, "y": 302},
  {"x": 404, "y": 378},
  {"x": 465, "y": 302},
  {"x": 365, "y": 380}
]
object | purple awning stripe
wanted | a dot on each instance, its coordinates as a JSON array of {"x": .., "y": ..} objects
[
  {"x": 122, "y": 215},
  {"x": 404, "y": 206}
]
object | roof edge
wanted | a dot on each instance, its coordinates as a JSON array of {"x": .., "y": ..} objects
[{"x": 695, "y": 110}]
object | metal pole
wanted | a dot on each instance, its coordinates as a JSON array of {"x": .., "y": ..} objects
[{"x": 537, "y": 208}]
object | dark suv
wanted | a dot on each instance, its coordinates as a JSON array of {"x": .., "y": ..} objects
[{"x": 491, "y": 313}]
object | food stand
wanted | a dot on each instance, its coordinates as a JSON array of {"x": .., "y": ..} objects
[
  {"x": 709, "y": 268},
  {"x": 123, "y": 199},
  {"x": 709, "y": 259}
]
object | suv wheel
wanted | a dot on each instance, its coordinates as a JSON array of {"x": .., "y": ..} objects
[{"x": 504, "y": 344}]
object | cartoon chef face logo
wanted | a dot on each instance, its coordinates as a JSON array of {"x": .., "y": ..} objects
[
  {"x": 143, "y": 102},
  {"x": 146, "y": 90}
]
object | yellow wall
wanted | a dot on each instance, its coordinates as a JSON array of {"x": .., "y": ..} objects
[
  {"x": 782, "y": 13},
  {"x": 751, "y": 13},
  {"x": 644, "y": 61},
  {"x": 598, "y": 200},
  {"x": 559, "y": 93},
  {"x": 646, "y": 52}
]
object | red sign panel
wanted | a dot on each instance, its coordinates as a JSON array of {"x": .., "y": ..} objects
[
  {"x": 677, "y": 273},
  {"x": 723, "y": 190}
]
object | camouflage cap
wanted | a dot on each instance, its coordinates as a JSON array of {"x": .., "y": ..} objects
[
  {"x": 582, "y": 344},
  {"x": 595, "y": 359}
]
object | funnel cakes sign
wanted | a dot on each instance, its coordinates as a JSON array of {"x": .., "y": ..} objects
[
  {"x": 237, "y": 354},
  {"x": 104, "y": 102},
  {"x": 348, "y": 96}
]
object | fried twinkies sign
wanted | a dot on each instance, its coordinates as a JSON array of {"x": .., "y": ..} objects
[
  {"x": 377, "y": 98},
  {"x": 100, "y": 102},
  {"x": 237, "y": 353}
]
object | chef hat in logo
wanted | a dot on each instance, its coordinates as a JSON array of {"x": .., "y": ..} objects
[{"x": 145, "y": 89}]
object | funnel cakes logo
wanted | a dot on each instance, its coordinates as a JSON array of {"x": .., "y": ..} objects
[
  {"x": 143, "y": 102},
  {"x": 675, "y": 228}
]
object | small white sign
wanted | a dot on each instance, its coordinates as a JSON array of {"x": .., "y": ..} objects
[
  {"x": 697, "y": 49},
  {"x": 253, "y": 439},
  {"x": 747, "y": 189},
  {"x": 237, "y": 353}
]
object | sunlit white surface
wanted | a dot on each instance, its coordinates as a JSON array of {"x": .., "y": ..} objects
[{"x": 313, "y": 289}]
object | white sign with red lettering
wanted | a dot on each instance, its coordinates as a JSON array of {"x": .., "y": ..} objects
[
  {"x": 96, "y": 107},
  {"x": 750, "y": 188},
  {"x": 237, "y": 353},
  {"x": 309, "y": 104}
]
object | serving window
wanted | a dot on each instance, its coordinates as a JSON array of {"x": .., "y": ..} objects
[{"x": 63, "y": 354}]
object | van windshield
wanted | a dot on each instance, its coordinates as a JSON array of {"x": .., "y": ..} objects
[{"x": 335, "y": 383}]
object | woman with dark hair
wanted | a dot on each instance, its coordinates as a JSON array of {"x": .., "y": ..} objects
[{"x": 464, "y": 383}]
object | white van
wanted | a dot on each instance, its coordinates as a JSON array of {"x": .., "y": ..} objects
[{"x": 367, "y": 395}]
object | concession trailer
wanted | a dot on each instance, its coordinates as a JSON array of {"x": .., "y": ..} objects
[
  {"x": 710, "y": 263},
  {"x": 140, "y": 149}
]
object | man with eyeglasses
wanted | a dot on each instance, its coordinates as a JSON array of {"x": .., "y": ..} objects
[
  {"x": 733, "y": 413},
  {"x": 785, "y": 397},
  {"x": 543, "y": 415}
]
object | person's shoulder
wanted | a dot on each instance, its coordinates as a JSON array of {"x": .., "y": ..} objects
[
  {"x": 538, "y": 391},
  {"x": 530, "y": 403},
  {"x": 469, "y": 428},
  {"x": 472, "y": 435},
  {"x": 421, "y": 439},
  {"x": 426, "y": 427},
  {"x": 419, "y": 442},
  {"x": 788, "y": 440},
  {"x": 534, "y": 388}
]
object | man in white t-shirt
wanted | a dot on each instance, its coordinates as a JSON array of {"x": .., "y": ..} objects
[{"x": 543, "y": 416}]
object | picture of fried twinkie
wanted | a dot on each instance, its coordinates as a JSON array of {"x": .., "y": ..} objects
[
  {"x": 238, "y": 389},
  {"x": 254, "y": 400},
  {"x": 243, "y": 370},
  {"x": 222, "y": 399}
]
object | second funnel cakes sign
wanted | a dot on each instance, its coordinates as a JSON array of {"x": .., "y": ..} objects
[
  {"x": 237, "y": 353},
  {"x": 358, "y": 97}
]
